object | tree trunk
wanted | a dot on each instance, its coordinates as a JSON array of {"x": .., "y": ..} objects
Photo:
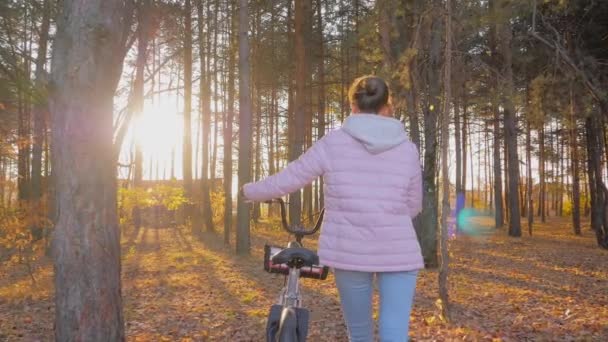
[
  {"x": 470, "y": 136},
  {"x": 187, "y": 141},
  {"x": 574, "y": 164},
  {"x": 464, "y": 143},
  {"x": 205, "y": 107},
  {"x": 228, "y": 127},
  {"x": 321, "y": 94},
  {"x": 258, "y": 140},
  {"x": 506, "y": 38},
  {"x": 458, "y": 147},
  {"x": 529, "y": 181},
  {"x": 560, "y": 194},
  {"x": 427, "y": 231},
  {"x": 216, "y": 115},
  {"x": 301, "y": 59},
  {"x": 245, "y": 121},
  {"x": 597, "y": 188},
  {"x": 137, "y": 100},
  {"x": 541, "y": 174},
  {"x": 445, "y": 208},
  {"x": 494, "y": 38},
  {"x": 86, "y": 246},
  {"x": 40, "y": 106},
  {"x": 39, "y": 114},
  {"x": 498, "y": 212}
]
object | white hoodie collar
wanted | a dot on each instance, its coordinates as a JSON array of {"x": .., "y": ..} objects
[{"x": 377, "y": 133}]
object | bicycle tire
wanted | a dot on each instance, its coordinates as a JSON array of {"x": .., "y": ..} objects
[{"x": 288, "y": 326}]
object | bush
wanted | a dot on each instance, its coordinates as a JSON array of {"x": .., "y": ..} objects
[
  {"x": 160, "y": 199},
  {"x": 217, "y": 207},
  {"x": 17, "y": 236}
]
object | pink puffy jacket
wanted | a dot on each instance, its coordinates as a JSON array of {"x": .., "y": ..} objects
[{"x": 373, "y": 189}]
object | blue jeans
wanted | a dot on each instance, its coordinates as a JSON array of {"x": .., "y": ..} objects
[{"x": 396, "y": 298}]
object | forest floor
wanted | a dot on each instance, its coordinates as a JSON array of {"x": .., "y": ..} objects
[{"x": 551, "y": 286}]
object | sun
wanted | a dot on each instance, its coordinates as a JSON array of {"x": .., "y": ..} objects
[{"x": 159, "y": 130}]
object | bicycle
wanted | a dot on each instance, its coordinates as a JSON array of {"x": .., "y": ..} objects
[{"x": 288, "y": 319}]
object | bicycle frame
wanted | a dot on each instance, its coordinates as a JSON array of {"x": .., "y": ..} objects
[
  {"x": 288, "y": 319},
  {"x": 290, "y": 295}
]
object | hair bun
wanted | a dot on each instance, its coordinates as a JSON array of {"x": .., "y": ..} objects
[
  {"x": 369, "y": 93},
  {"x": 370, "y": 89}
]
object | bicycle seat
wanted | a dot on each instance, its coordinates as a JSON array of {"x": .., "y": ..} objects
[{"x": 306, "y": 257}]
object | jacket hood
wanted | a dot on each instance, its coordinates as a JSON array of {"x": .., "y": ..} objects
[{"x": 377, "y": 133}]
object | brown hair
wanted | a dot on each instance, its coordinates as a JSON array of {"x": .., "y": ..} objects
[{"x": 369, "y": 93}]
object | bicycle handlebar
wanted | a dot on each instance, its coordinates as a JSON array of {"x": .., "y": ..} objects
[{"x": 297, "y": 230}]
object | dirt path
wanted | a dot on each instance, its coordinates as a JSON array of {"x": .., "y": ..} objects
[{"x": 551, "y": 286}]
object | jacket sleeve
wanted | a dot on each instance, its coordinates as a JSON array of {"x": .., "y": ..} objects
[
  {"x": 414, "y": 191},
  {"x": 296, "y": 175}
]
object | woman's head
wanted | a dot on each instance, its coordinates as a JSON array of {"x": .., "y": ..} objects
[{"x": 369, "y": 94}]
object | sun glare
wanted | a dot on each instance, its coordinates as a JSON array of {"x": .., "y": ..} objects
[{"x": 158, "y": 130}]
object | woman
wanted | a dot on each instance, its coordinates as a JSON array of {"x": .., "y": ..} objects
[{"x": 373, "y": 190}]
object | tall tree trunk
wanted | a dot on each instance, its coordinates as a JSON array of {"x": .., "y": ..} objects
[
  {"x": 143, "y": 13},
  {"x": 321, "y": 94},
  {"x": 273, "y": 109},
  {"x": 596, "y": 185},
  {"x": 205, "y": 107},
  {"x": 472, "y": 168},
  {"x": 228, "y": 127},
  {"x": 445, "y": 128},
  {"x": 576, "y": 192},
  {"x": 498, "y": 212},
  {"x": 529, "y": 179},
  {"x": 464, "y": 142},
  {"x": 258, "y": 141},
  {"x": 308, "y": 136},
  {"x": 487, "y": 172},
  {"x": 216, "y": 115},
  {"x": 506, "y": 38},
  {"x": 24, "y": 115},
  {"x": 494, "y": 37},
  {"x": 541, "y": 174},
  {"x": 560, "y": 194},
  {"x": 39, "y": 117},
  {"x": 86, "y": 246},
  {"x": 40, "y": 106},
  {"x": 187, "y": 141},
  {"x": 427, "y": 231},
  {"x": 302, "y": 8},
  {"x": 245, "y": 121},
  {"x": 458, "y": 147}
]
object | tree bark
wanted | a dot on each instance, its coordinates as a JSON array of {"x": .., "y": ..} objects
[
  {"x": 137, "y": 100},
  {"x": 228, "y": 127},
  {"x": 86, "y": 248},
  {"x": 498, "y": 209},
  {"x": 301, "y": 59},
  {"x": 243, "y": 244},
  {"x": 41, "y": 106},
  {"x": 205, "y": 107},
  {"x": 574, "y": 164},
  {"x": 529, "y": 181},
  {"x": 321, "y": 94},
  {"x": 216, "y": 115},
  {"x": 506, "y": 38},
  {"x": 541, "y": 174},
  {"x": 597, "y": 188},
  {"x": 464, "y": 142},
  {"x": 39, "y": 115},
  {"x": 187, "y": 141},
  {"x": 445, "y": 208},
  {"x": 427, "y": 231}
]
